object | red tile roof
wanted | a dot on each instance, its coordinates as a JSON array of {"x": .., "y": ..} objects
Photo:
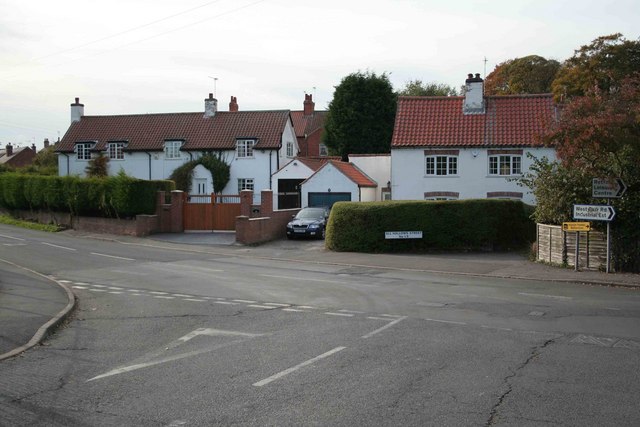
[
  {"x": 513, "y": 120},
  {"x": 306, "y": 125},
  {"x": 354, "y": 173},
  {"x": 149, "y": 131}
]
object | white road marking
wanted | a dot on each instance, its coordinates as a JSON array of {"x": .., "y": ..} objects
[
  {"x": 545, "y": 296},
  {"x": 388, "y": 325},
  {"x": 115, "y": 292},
  {"x": 176, "y": 343},
  {"x": 133, "y": 290},
  {"x": 182, "y": 295},
  {"x": 159, "y": 293},
  {"x": 14, "y": 244},
  {"x": 226, "y": 302},
  {"x": 244, "y": 301},
  {"x": 115, "y": 288},
  {"x": 276, "y": 304},
  {"x": 308, "y": 307},
  {"x": 64, "y": 281},
  {"x": 112, "y": 256},
  {"x": 12, "y": 238},
  {"x": 58, "y": 246},
  {"x": 163, "y": 297},
  {"x": 80, "y": 287},
  {"x": 261, "y": 306},
  {"x": 395, "y": 316},
  {"x": 195, "y": 300},
  {"x": 99, "y": 286},
  {"x": 446, "y": 321},
  {"x": 294, "y": 310},
  {"x": 386, "y": 319},
  {"x": 351, "y": 311},
  {"x": 306, "y": 279},
  {"x": 297, "y": 367},
  {"x": 339, "y": 314},
  {"x": 82, "y": 284}
]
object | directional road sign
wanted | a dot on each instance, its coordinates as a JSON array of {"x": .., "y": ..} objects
[
  {"x": 593, "y": 212},
  {"x": 576, "y": 226},
  {"x": 608, "y": 188}
]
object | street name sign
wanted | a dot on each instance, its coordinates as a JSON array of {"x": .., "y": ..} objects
[
  {"x": 576, "y": 226},
  {"x": 608, "y": 188},
  {"x": 593, "y": 212},
  {"x": 403, "y": 234}
]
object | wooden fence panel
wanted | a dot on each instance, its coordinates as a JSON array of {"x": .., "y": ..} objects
[{"x": 558, "y": 247}]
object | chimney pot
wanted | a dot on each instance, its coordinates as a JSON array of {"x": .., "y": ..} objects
[
  {"x": 474, "y": 95},
  {"x": 46, "y": 143},
  {"x": 233, "y": 105},
  {"x": 9, "y": 150},
  {"x": 308, "y": 105},
  {"x": 210, "y": 106},
  {"x": 33, "y": 147},
  {"x": 77, "y": 111}
]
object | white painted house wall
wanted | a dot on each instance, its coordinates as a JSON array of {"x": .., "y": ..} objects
[
  {"x": 326, "y": 180},
  {"x": 377, "y": 168},
  {"x": 369, "y": 194},
  {"x": 409, "y": 180},
  {"x": 136, "y": 164}
]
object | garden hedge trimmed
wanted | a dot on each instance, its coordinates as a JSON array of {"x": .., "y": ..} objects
[
  {"x": 445, "y": 225},
  {"x": 114, "y": 197}
]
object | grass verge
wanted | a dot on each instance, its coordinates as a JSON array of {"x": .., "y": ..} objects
[{"x": 4, "y": 219}]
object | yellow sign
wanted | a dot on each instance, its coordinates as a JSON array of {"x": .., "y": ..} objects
[{"x": 576, "y": 226}]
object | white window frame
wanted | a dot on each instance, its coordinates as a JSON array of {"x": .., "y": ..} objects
[
  {"x": 83, "y": 151},
  {"x": 505, "y": 165},
  {"x": 244, "y": 148},
  {"x": 440, "y": 165},
  {"x": 172, "y": 150},
  {"x": 115, "y": 150},
  {"x": 245, "y": 184},
  {"x": 289, "y": 149},
  {"x": 322, "y": 150},
  {"x": 441, "y": 198}
]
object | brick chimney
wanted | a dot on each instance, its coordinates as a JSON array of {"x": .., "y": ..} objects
[
  {"x": 9, "y": 150},
  {"x": 308, "y": 104},
  {"x": 33, "y": 147},
  {"x": 474, "y": 95},
  {"x": 210, "y": 106},
  {"x": 46, "y": 143},
  {"x": 77, "y": 111},
  {"x": 233, "y": 105}
]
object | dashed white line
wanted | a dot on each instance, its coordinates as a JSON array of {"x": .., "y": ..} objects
[
  {"x": 386, "y": 319},
  {"x": 182, "y": 295},
  {"x": 446, "y": 321},
  {"x": 99, "y": 286},
  {"x": 261, "y": 306},
  {"x": 351, "y": 311},
  {"x": 163, "y": 297},
  {"x": 115, "y": 292},
  {"x": 297, "y": 367},
  {"x": 339, "y": 314},
  {"x": 526, "y": 294},
  {"x": 80, "y": 287},
  {"x": 58, "y": 246},
  {"x": 195, "y": 300},
  {"x": 308, "y": 307},
  {"x": 13, "y": 238},
  {"x": 244, "y": 301},
  {"x": 112, "y": 256},
  {"x": 388, "y": 325},
  {"x": 115, "y": 288},
  {"x": 226, "y": 302},
  {"x": 159, "y": 293},
  {"x": 276, "y": 304},
  {"x": 294, "y": 310}
]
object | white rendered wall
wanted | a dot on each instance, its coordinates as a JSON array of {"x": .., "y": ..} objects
[
  {"x": 369, "y": 194},
  {"x": 329, "y": 180},
  {"x": 377, "y": 168},
  {"x": 409, "y": 181}
]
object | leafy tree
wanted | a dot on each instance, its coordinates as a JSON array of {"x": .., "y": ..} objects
[
  {"x": 418, "y": 88},
  {"x": 361, "y": 115},
  {"x": 45, "y": 162},
  {"x": 602, "y": 64},
  {"x": 530, "y": 74},
  {"x": 598, "y": 136},
  {"x": 98, "y": 167}
]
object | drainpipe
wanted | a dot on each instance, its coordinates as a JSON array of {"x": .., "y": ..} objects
[
  {"x": 149, "y": 154},
  {"x": 270, "y": 178}
]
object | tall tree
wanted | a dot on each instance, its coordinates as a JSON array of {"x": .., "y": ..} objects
[
  {"x": 602, "y": 64},
  {"x": 361, "y": 115},
  {"x": 530, "y": 74},
  {"x": 418, "y": 88}
]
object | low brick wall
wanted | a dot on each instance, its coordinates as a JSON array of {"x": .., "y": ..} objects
[{"x": 252, "y": 231}]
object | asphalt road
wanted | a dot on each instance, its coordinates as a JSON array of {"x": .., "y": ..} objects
[{"x": 168, "y": 338}]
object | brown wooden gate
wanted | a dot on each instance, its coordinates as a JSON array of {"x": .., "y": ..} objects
[{"x": 211, "y": 211}]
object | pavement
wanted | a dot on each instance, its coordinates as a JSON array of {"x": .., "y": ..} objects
[{"x": 27, "y": 296}]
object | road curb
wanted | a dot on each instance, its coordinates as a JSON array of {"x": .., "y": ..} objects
[{"x": 49, "y": 327}]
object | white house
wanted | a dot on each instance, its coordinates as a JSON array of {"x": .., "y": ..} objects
[
  {"x": 467, "y": 146},
  {"x": 286, "y": 181},
  {"x": 151, "y": 146},
  {"x": 337, "y": 181},
  {"x": 378, "y": 168}
]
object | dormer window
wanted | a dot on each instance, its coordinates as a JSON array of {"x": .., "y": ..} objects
[
  {"x": 115, "y": 150},
  {"x": 83, "y": 150},
  {"x": 244, "y": 148},
  {"x": 172, "y": 150}
]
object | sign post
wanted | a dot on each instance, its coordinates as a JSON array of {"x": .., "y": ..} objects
[
  {"x": 577, "y": 227},
  {"x": 597, "y": 213}
]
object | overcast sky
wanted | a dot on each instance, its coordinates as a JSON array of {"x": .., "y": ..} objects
[{"x": 158, "y": 56}]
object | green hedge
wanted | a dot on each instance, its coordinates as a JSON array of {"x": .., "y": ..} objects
[
  {"x": 445, "y": 225},
  {"x": 115, "y": 197}
]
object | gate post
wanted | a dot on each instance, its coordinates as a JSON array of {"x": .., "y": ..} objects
[
  {"x": 266, "y": 203},
  {"x": 246, "y": 200},
  {"x": 177, "y": 211}
]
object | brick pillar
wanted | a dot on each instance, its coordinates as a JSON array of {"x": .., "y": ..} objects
[
  {"x": 246, "y": 200},
  {"x": 242, "y": 229},
  {"x": 266, "y": 203},
  {"x": 177, "y": 211}
]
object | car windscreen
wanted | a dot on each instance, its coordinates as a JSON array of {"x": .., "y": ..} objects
[{"x": 311, "y": 214}]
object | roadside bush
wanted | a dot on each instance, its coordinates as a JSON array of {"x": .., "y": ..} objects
[
  {"x": 445, "y": 225},
  {"x": 119, "y": 196}
]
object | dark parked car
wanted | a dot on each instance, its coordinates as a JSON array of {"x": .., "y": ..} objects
[{"x": 309, "y": 222}]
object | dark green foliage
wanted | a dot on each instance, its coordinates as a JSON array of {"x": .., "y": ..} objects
[
  {"x": 446, "y": 225},
  {"x": 214, "y": 163},
  {"x": 418, "y": 88},
  {"x": 120, "y": 196},
  {"x": 98, "y": 167},
  {"x": 361, "y": 115}
]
